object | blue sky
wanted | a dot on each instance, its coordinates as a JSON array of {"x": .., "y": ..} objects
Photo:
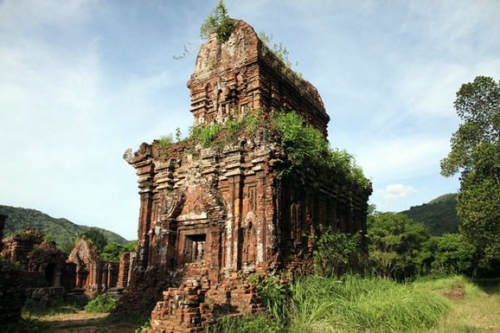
[{"x": 83, "y": 80}]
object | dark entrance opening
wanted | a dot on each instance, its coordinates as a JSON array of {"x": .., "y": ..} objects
[{"x": 194, "y": 250}]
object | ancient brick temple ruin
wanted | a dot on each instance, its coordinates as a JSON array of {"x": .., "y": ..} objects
[
  {"x": 210, "y": 216},
  {"x": 85, "y": 270}
]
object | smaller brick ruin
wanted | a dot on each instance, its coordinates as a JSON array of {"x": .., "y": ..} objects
[
  {"x": 16, "y": 248},
  {"x": 86, "y": 271},
  {"x": 48, "y": 277}
]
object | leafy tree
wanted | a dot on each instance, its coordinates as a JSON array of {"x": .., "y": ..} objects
[
  {"x": 395, "y": 245},
  {"x": 336, "y": 252},
  {"x": 475, "y": 152},
  {"x": 449, "y": 254},
  {"x": 218, "y": 22},
  {"x": 98, "y": 240},
  {"x": 112, "y": 251}
]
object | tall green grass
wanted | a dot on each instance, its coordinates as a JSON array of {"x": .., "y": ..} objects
[
  {"x": 247, "y": 324},
  {"x": 362, "y": 305},
  {"x": 442, "y": 285},
  {"x": 355, "y": 304}
]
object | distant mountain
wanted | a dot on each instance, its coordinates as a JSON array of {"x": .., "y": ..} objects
[
  {"x": 439, "y": 215},
  {"x": 60, "y": 230}
]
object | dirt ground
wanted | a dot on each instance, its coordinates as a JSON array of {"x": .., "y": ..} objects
[{"x": 83, "y": 322}]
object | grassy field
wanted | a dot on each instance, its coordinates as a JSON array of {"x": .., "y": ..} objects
[
  {"x": 477, "y": 311},
  {"x": 320, "y": 305}
]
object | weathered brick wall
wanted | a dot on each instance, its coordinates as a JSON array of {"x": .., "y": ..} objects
[
  {"x": 195, "y": 304},
  {"x": 85, "y": 270},
  {"x": 16, "y": 248},
  {"x": 125, "y": 269},
  {"x": 242, "y": 76},
  {"x": 43, "y": 297}
]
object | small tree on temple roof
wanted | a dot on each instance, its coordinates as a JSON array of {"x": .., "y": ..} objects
[{"x": 217, "y": 22}]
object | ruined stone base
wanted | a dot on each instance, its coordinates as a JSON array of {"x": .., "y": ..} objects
[
  {"x": 195, "y": 304},
  {"x": 43, "y": 297}
]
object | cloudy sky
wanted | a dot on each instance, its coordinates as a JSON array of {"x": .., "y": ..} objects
[{"x": 83, "y": 80}]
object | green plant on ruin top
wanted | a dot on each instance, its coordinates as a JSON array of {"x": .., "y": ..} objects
[
  {"x": 304, "y": 145},
  {"x": 217, "y": 22}
]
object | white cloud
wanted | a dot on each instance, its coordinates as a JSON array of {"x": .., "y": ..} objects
[
  {"x": 389, "y": 195},
  {"x": 401, "y": 158}
]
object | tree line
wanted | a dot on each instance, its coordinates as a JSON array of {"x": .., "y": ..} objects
[{"x": 402, "y": 248}]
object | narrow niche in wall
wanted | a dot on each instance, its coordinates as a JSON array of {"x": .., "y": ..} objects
[{"x": 194, "y": 250}]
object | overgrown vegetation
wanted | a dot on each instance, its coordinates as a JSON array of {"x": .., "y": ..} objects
[
  {"x": 278, "y": 49},
  {"x": 101, "y": 304},
  {"x": 336, "y": 253},
  {"x": 304, "y": 145},
  {"x": 352, "y": 304},
  {"x": 217, "y": 22}
]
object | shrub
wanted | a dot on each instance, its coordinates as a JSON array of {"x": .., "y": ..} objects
[
  {"x": 166, "y": 141},
  {"x": 306, "y": 146},
  {"x": 146, "y": 326},
  {"x": 101, "y": 304},
  {"x": 335, "y": 252},
  {"x": 274, "y": 294}
]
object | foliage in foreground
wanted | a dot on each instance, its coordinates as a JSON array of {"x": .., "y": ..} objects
[
  {"x": 353, "y": 304},
  {"x": 336, "y": 253},
  {"x": 363, "y": 305}
]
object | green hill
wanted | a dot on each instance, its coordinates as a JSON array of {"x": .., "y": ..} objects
[
  {"x": 439, "y": 215},
  {"x": 59, "y": 230}
]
